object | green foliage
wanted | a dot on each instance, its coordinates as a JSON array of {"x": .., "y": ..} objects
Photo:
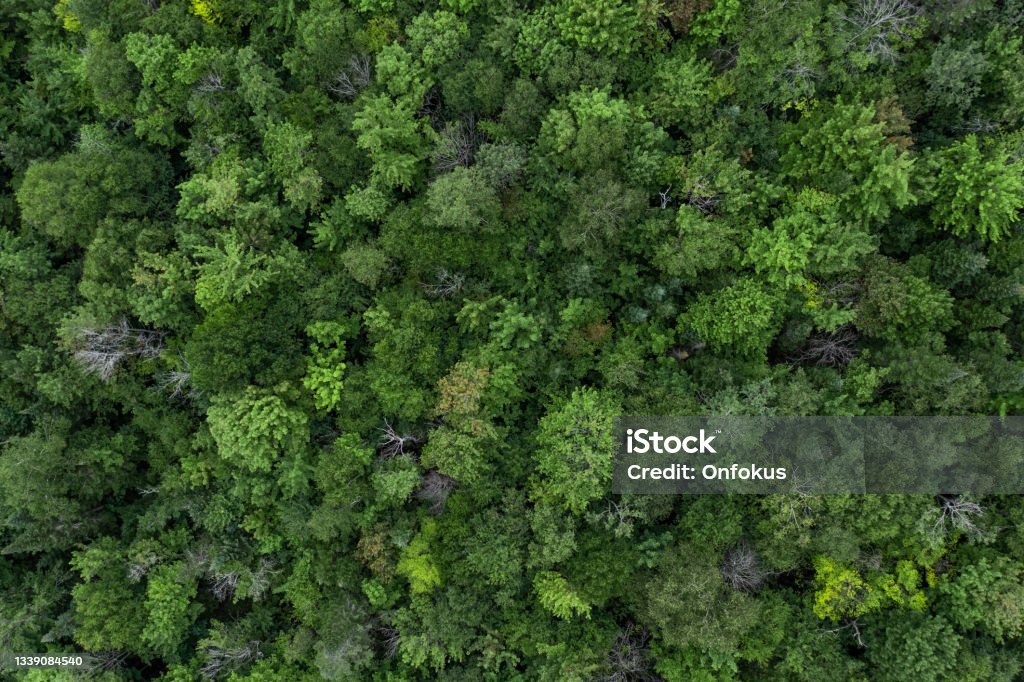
[
  {"x": 690, "y": 604},
  {"x": 977, "y": 191},
  {"x": 169, "y": 609},
  {"x": 680, "y": 88},
  {"x": 743, "y": 317},
  {"x": 926, "y": 648},
  {"x": 841, "y": 592},
  {"x": 417, "y": 564},
  {"x": 325, "y": 367},
  {"x": 574, "y": 456},
  {"x": 841, "y": 149},
  {"x": 66, "y": 198},
  {"x": 315, "y": 318},
  {"x": 987, "y": 595},
  {"x": 393, "y": 138},
  {"x": 604, "y": 26},
  {"x": 558, "y": 597},
  {"x": 436, "y": 38},
  {"x": 463, "y": 200},
  {"x": 231, "y": 271},
  {"x": 900, "y": 306},
  {"x": 255, "y": 428}
]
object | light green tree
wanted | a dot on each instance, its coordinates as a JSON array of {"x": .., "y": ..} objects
[{"x": 978, "y": 190}]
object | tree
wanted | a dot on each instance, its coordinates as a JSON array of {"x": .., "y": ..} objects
[
  {"x": 254, "y": 429},
  {"x": 605, "y": 26},
  {"x": 898, "y": 305},
  {"x": 575, "y": 450},
  {"x": 66, "y": 198},
  {"x": 691, "y": 607},
  {"x": 841, "y": 149},
  {"x": 325, "y": 367},
  {"x": 437, "y": 37},
  {"x": 987, "y": 595},
  {"x": 558, "y": 597},
  {"x": 977, "y": 191},
  {"x": 393, "y": 139},
  {"x": 915, "y": 644},
  {"x": 743, "y": 317},
  {"x": 169, "y": 609},
  {"x": 463, "y": 200}
]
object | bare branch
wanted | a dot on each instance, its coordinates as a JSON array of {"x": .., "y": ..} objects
[
  {"x": 435, "y": 488},
  {"x": 741, "y": 569},
  {"x": 446, "y": 284},
  {"x": 957, "y": 513},
  {"x": 393, "y": 444},
  {"x": 457, "y": 146},
  {"x": 220, "y": 660},
  {"x": 836, "y": 348},
  {"x": 139, "y": 566},
  {"x": 349, "y": 83},
  {"x": 701, "y": 197},
  {"x": 883, "y": 23},
  {"x": 211, "y": 82},
  {"x": 223, "y": 585},
  {"x": 389, "y": 638},
  {"x": 666, "y": 198},
  {"x": 101, "y": 350},
  {"x": 628, "y": 660},
  {"x": 104, "y": 661}
]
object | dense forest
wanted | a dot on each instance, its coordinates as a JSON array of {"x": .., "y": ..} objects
[{"x": 315, "y": 315}]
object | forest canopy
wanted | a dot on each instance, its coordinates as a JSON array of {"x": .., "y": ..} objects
[{"x": 315, "y": 316}]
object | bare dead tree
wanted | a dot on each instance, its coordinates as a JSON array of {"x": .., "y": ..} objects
[
  {"x": 103, "y": 661},
  {"x": 356, "y": 76},
  {"x": 628, "y": 660},
  {"x": 457, "y": 146},
  {"x": 957, "y": 513},
  {"x": 392, "y": 443},
  {"x": 259, "y": 579},
  {"x": 432, "y": 104},
  {"x": 725, "y": 58},
  {"x": 343, "y": 87},
  {"x": 701, "y": 197},
  {"x": 841, "y": 292},
  {"x": 799, "y": 76},
  {"x": 177, "y": 381},
  {"x": 869, "y": 562},
  {"x": 854, "y": 628},
  {"x": 618, "y": 516},
  {"x": 882, "y": 23},
  {"x": 211, "y": 82},
  {"x": 666, "y": 198},
  {"x": 223, "y": 584},
  {"x": 978, "y": 125},
  {"x": 100, "y": 350},
  {"x": 139, "y": 566},
  {"x": 221, "y": 660},
  {"x": 836, "y": 348},
  {"x": 446, "y": 284},
  {"x": 741, "y": 568},
  {"x": 361, "y": 68},
  {"x": 151, "y": 5},
  {"x": 387, "y": 637},
  {"x": 435, "y": 488}
]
